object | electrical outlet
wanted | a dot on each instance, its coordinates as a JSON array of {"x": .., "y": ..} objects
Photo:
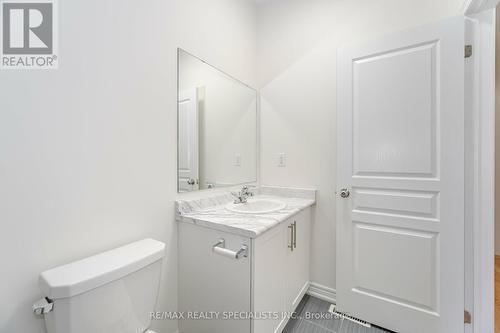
[
  {"x": 237, "y": 160},
  {"x": 281, "y": 160}
]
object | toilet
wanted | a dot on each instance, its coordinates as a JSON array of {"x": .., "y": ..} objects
[{"x": 112, "y": 292}]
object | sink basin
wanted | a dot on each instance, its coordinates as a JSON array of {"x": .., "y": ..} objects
[{"x": 256, "y": 206}]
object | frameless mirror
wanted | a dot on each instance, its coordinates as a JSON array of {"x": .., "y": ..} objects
[{"x": 216, "y": 126}]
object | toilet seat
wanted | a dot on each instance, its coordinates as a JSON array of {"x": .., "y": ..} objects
[{"x": 149, "y": 331}]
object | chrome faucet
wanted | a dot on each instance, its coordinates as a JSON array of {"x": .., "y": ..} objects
[{"x": 243, "y": 195}]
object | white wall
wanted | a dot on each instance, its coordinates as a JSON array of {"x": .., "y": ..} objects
[
  {"x": 297, "y": 44},
  {"x": 88, "y": 152}
]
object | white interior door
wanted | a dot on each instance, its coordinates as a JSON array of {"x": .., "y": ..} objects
[
  {"x": 188, "y": 141},
  {"x": 400, "y": 232}
]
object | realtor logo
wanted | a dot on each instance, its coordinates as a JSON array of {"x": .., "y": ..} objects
[{"x": 28, "y": 35}]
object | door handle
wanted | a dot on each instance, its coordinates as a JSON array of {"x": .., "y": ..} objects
[
  {"x": 291, "y": 237},
  {"x": 344, "y": 193}
]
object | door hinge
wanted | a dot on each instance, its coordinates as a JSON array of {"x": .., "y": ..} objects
[
  {"x": 468, "y": 51},
  {"x": 467, "y": 317}
]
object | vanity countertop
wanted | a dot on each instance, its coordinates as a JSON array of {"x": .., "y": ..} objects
[{"x": 211, "y": 211}]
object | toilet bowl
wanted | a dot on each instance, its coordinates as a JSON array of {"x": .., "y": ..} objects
[{"x": 114, "y": 291}]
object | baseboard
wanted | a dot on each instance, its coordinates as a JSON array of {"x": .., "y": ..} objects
[{"x": 322, "y": 292}]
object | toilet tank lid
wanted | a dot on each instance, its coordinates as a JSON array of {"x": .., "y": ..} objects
[{"x": 92, "y": 272}]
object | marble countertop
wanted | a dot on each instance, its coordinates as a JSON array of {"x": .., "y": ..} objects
[{"x": 210, "y": 211}]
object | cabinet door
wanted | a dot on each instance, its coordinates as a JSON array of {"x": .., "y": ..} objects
[
  {"x": 209, "y": 282},
  {"x": 297, "y": 269},
  {"x": 269, "y": 278}
]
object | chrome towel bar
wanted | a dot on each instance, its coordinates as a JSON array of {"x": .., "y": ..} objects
[{"x": 220, "y": 248}]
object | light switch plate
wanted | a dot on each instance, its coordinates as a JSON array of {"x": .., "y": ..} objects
[
  {"x": 237, "y": 160},
  {"x": 281, "y": 160}
]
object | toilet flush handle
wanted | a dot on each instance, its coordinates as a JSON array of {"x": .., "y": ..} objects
[{"x": 43, "y": 306}]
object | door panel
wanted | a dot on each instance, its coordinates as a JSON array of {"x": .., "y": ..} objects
[
  {"x": 188, "y": 158},
  {"x": 392, "y": 274},
  {"x": 394, "y": 124},
  {"x": 414, "y": 203},
  {"x": 400, "y": 238}
]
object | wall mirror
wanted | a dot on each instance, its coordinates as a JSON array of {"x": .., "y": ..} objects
[{"x": 216, "y": 126}]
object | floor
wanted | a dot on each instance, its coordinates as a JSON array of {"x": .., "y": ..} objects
[
  {"x": 497, "y": 294},
  {"x": 313, "y": 317}
]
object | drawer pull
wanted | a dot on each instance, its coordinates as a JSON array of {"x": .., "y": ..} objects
[{"x": 220, "y": 248}]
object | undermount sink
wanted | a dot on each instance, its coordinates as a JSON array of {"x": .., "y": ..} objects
[{"x": 256, "y": 206}]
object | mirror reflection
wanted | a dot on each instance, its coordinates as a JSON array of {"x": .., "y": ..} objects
[{"x": 217, "y": 127}]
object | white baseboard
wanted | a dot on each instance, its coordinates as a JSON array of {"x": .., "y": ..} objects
[{"x": 322, "y": 292}]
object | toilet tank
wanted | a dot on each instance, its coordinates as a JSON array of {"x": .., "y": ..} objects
[{"x": 111, "y": 292}]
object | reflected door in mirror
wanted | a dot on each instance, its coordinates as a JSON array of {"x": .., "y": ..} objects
[{"x": 188, "y": 141}]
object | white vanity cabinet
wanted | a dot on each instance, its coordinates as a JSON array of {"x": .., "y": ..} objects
[{"x": 269, "y": 282}]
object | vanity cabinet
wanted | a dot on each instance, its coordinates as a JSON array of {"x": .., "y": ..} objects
[{"x": 265, "y": 285}]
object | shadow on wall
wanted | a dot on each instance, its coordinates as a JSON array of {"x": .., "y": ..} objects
[{"x": 288, "y": 30}]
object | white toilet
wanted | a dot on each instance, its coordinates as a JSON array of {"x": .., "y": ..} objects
[{"x": 112, "y": 292}]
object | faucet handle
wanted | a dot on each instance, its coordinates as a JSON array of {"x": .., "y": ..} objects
[
  {"x": 237, "y": 197},
  {"x": 246, "y": 188}
]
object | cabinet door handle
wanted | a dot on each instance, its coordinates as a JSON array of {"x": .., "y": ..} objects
[
  {"x": 295, "y": 234},
  {"x": 291, "y": 237}
]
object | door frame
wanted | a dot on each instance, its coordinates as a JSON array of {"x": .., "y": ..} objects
[{"x": 482, "y": 13}]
